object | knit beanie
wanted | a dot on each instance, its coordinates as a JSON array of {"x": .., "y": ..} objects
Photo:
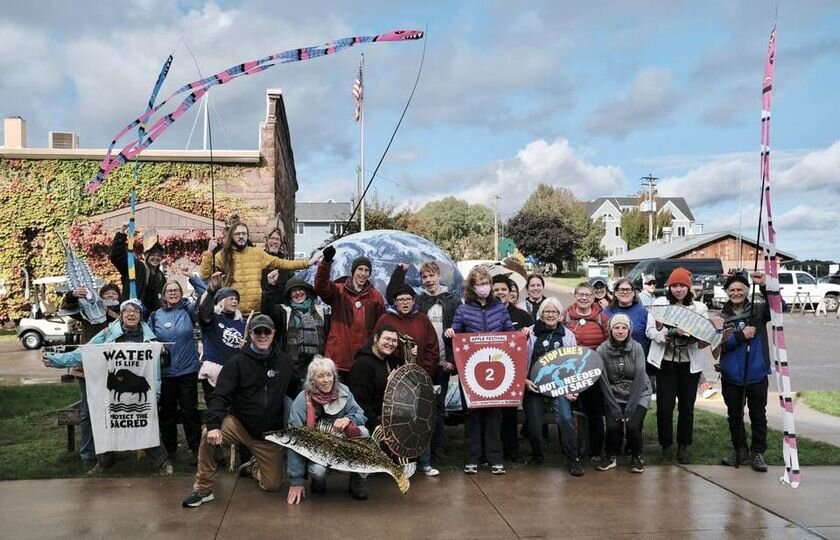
[
  {"x": 225, "y": 292},
  {"x": 680, "y": 276},
  {"x": 404, "y": 289},
  {"x": 736, "y": 278},
  {"x": 621, "y": 318},
  {"x": 360, "y": 261}
]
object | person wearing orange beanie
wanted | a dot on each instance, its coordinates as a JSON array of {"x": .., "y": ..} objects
[{"x": 680, "y": 359}]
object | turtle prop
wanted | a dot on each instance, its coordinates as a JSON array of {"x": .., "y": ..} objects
[
  {"x": 408, "y": 412},
  {"x": 687, "y": 320}
]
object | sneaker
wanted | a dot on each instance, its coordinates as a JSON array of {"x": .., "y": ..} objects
[
  {"x": 358, "y": 487},
  {"x": 96, "y": 470},
  {"x": 575, "y": 468},
  {"x": 683, "y": 457},
  {"x": 742, "y": 458},
  {"x": 595, "y": 459},
  {"x": 758, "y": 463},
  {"x": 197, "y": 498},
  {"x": 470, "y": 468},
  {"x": 607, "y": 464},
  {"x": 319, "y": 484},
  {"x": 428, "y": 470},
  {"x": 246, "y": 470},
  {"x": 498, "y": 469},
  {"x": 637, "y": 464},
  {"x": 166, "y": 468}
]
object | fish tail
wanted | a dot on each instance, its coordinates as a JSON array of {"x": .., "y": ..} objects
[{"x": 409, "y": 469}]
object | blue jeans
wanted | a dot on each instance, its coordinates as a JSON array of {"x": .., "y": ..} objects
[
  {"x": 534, "y": 412},
  {"x": 87, "y": 450}
]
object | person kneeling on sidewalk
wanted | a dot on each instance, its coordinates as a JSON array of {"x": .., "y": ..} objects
[
  {"x": 324, "y": 402},
  {"x": 248, "y": 401}
]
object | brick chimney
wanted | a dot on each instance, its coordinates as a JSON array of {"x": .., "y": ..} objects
[
  {"x": 276, "y": 151},
  {"x": 14, "y": 130}
]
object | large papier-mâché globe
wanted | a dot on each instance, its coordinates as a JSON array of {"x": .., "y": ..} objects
[{"x": 386, "y": 249}]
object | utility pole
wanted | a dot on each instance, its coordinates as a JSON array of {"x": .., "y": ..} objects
[
  {"x": 496, "y": 229},
  {"x": 649, "y": 181}
]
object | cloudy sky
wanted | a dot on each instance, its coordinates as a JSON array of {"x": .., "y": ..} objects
[{"x": 586, "y": 95}]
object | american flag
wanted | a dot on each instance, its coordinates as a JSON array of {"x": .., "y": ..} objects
[{"x": 358, "y": 94}]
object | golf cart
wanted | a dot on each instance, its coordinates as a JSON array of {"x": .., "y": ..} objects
[{"x": 46, "y": 324}]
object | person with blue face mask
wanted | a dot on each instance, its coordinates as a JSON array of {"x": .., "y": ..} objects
[{"x": 482, "y": 312}]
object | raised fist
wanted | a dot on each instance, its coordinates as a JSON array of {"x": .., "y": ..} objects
[{"x": 329, "y": 253}]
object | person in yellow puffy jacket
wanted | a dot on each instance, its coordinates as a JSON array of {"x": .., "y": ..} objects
[{"x": 242, "y": 265}]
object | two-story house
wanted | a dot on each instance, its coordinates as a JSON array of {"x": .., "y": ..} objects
[
  {"x": 610, "y": 209},
  {"x": 316, "y": 222}
]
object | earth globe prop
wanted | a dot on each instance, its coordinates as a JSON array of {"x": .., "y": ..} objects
[{"x": 386, "y": 249}]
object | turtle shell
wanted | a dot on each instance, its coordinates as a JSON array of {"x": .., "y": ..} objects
[{"x": 408, "y": 411}]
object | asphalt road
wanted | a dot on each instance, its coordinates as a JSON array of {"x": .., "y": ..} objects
[{"x": 812, "y": 351}]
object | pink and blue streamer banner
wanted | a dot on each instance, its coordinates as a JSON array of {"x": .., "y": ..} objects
[
  {"x": 771, "y": 266},
  {"x": 197, "y": 89}
]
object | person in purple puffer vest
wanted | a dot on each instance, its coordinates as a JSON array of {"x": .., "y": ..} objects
[{"x": 482, "y": 312}]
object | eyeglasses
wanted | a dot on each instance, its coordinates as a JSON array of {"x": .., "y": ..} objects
[
  {"x": 389, "y": 339},
  {"x": 405, "y": 300},
  {"x": 261, "y": 331},
  {"x": 624, "y": 289},
  {"x": 651, "y": 283},
  {"x": 583, "y": 294}
]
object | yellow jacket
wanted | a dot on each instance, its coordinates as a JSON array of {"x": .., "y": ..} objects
[{"x": 248, "y": 265}]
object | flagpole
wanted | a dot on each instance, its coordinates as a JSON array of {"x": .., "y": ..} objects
[{"x": 362, "y": 150}]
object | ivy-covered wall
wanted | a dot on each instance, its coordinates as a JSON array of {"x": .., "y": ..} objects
[{"x": 39, "y": 198}]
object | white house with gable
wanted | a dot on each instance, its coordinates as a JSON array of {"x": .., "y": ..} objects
[{"x": 610, "y": 209}]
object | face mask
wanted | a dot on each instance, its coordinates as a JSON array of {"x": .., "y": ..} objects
[{"x": 482, "y": 291}]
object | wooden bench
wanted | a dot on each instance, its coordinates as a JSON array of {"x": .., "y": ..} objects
[{"x": 71, "y": 417}]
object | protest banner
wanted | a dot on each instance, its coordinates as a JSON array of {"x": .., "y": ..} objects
[
  {"x": 491, "y": 367},
  {"x": 566, "y": 370},
  {"x": 121, "y": 380}
]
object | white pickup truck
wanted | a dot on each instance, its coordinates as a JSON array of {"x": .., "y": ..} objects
[{"x": 792, "y": 282}]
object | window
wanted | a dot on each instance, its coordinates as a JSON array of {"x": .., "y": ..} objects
[
  {"x": 618, "y": 231},
  {"x": 804, "y": 279},
  {"x": 786, "y": 279},
  {"x": 299, "y": 229},
  {"x": 336, "y": 228},
  {"x": 680, "y": 231},
  {"x": 619, "y": 250}
]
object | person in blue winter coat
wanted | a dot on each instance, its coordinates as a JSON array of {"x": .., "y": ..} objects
[
  {"x": 744, "y": 366},
  {"x": 173, "y": 324},
  {"x": 129, "y": 328},
  {"x": 482, "y": 312}
]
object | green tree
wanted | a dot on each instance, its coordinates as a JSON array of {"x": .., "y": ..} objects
[
  {"x": 571, "y": 236},
  {"x": 465, "y": 231},
  {"x": 635, "y": 224}
]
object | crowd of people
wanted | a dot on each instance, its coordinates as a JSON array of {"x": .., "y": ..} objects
[{"x": 271, "y": 351}]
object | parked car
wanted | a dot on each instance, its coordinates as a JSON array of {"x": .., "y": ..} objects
[
  {"x": 720, "y": 297},
  {"x": 792, "y": 282},
  {"x": 704, "y": 275}
]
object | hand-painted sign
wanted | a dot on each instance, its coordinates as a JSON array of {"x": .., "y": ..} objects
[
  {"x": 567, "y": 370},
  {"x": 492, "y": 368}
]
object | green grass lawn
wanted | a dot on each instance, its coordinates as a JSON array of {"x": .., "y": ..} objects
[
  {"x": 33, "y": 446},
  {"x": 825, "y": 402},
  {"x": 565, "y": 280},
  {"x": 8, "y": 336}
]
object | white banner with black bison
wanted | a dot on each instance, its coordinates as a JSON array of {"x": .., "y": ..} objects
[{"x": 121, "y": 382}]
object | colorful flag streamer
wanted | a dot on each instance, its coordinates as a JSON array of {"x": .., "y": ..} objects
[
  {"x": 197, "y": 90},
  {"x": 779, "y": 350}
]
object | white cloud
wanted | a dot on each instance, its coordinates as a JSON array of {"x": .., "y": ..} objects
[
  {"x": 722, "y": 178},
  {"x": 554, "y": 163},
  {"x": 649, "y": 102},
  {"x": 808, "y": 218}
]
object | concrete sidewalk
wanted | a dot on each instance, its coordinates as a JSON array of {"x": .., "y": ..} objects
[
  {"x": 808, "y": 422},
  {"x": 664, "y": 502}
]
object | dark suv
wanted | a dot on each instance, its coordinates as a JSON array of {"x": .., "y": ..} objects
[{"x": 704, "y": 275}]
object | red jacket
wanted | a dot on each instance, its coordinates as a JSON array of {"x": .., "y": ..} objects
[
  {"x": 418, "y": 326},
  {"x": 354, "y": 314},
  {"x": 591, "y": 333}
]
